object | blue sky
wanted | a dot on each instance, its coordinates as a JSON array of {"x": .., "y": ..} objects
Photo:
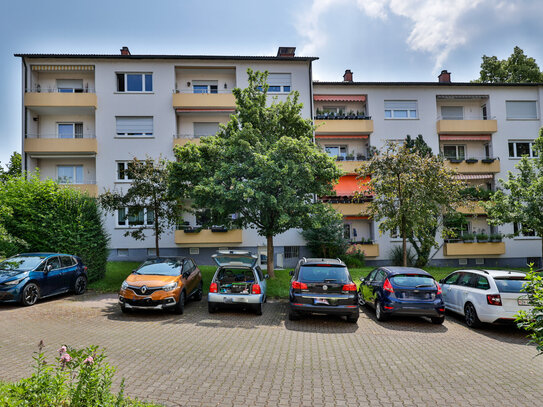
[{"x": 379, "y": 40}]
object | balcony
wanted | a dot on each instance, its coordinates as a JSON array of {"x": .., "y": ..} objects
[
  {"x": 83, "y": 101},
  {"x": 37, "y": 144},
  {"x": 352, "y": 209},
  {"x": 349, "y": 166},
  {"x": 194, "y": 102},
  {"x": 475, "y": 126},
  {"x": 207, "y": 237},
  {"x": 182, "y": 139},
  {"x": 370, "y": 250},
  {"x": 345, "y": 127},
  {"x": 474, "y": 165},
  {"x": 475, "y": 209},
  {"x": 89, "y": 189},
  {"x": 474, "y": 249}
]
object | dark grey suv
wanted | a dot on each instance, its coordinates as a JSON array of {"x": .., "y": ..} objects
[{"x": 322, "y": 286}]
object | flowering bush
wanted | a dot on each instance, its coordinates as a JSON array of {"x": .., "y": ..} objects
[{"x": 78, "y": 378}]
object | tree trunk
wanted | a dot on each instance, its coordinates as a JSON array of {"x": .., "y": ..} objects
[
  {"x": 156, "y": 234},
  {"x": 270, "y": 264},
  {"x": 404, "y": 249}
]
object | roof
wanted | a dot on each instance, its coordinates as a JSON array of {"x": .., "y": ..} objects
[
  {"x": 37, "y": 254},
  {"x": 430, "y": 84},
  {"x": 187, "y": 57},
  {"x": 495, "y": 273},
  {"x": 405, "y": 270}
]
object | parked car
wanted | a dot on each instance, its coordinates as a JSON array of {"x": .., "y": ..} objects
[
  {"x": 163, "y": 283},
  {"x": 27, "y": 277},
  {"x": 237, "y": 280},
  {"x": 402, "y": 291},
  {"x": 322, "y": 286},
  {"x": 485, "y": 295}
]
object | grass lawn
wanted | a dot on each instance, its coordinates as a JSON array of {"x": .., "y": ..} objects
[{"x": 117, "y": 271}]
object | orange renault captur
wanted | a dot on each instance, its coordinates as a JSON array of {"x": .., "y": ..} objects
[{"x": 164, "y": 283}]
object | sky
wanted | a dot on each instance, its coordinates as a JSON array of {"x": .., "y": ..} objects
[{"x": 379, "y": 40}]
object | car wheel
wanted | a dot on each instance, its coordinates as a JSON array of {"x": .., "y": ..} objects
[
  {"x": 30, "y": 294},
  {"x": 212, "y": 308},
  {"x": 361, "y": 300},
  {"x": 470, "y": 316},
  {"x": 293, "y": 315},
  {"x": 180, "y": 306},
  {"x": 199, "y": 292},
  {"x": 352, "y": 318},
  {"x": 379, "y": 312},
  {"x": 257, "y": 308},
  {"x": 80, "y": 285},
  {"x": 438, "y": 320}
]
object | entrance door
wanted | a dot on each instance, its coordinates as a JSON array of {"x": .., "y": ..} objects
[{"x": 263, "y": 257}]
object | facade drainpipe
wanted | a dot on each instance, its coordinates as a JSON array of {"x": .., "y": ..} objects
[{"x": 25, "y": 118}]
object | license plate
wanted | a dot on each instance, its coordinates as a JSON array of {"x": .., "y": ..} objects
[
  {"x": 321, "y": 301},
  {"x": 523, "y": 301},
  {"x": 228, "y": 300}
]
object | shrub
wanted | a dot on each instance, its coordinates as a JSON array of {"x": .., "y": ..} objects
[
  {"x": 396, "y": 256},
  {"x": 354, "y": 258},
  {"x": 46, "y": 217},
  {"x": 79, "y": 378}
]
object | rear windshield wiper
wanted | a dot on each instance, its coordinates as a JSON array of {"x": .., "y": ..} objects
[
  {"x": 424, "y": 285},
  {"x": 330, "y": 280}
]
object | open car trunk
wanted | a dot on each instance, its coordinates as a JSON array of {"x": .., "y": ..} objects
[{"x": 235, "y": 280}]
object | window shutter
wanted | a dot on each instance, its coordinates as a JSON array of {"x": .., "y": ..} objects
[
  {"x": 452, "y": 112},
  {"x": 205, "y": 129},
  {"x": 70, "y": 83},
  {"x": 279, "y": 79},
  {"x": 400, "y": 104},
  {"x": 134, "y": 125},
  {"x": 521, "y": 109}
]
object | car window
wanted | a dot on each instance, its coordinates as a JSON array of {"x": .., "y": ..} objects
[
  {"x": 21, "y": 263},
  {"x": 412, "y": 280},
  {"x": 481, "y": 282},
  {"x": 187, "y": 267},
  {"x": 321, "y": 273},
  {"x": 260, "y": 274},
  {"x": 380, "y": 277},
  {"x": 67, "y": 261},
  {"x": 510, "y": 285},
  {"x": 452, "y": 279},
  {"x": 54, "y": 262},
  {"x": 464, "y": 279},
  {"x": 162, "y": 267},
  {"x": 371, "y": 276}
]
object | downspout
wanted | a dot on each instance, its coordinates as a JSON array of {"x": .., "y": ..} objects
[
  {"x": 311, "y": 94},
  {"x": 25, "y": 116}
]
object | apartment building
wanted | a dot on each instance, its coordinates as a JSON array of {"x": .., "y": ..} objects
[
  {"x": 86, "y": 116},
  {"x": 481, "y": 129}
]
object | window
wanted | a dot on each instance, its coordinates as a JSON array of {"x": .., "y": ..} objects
[
  {"x": 122, "y": 252},
  {"x": 454, "y": 151},
  {"x": 126, "y": 217},
  {"x": 521, "y": 230},
  {"x": 334, "y": 109},
  {"x": 70, "y": 130},
  {"x": 336, "y": 151},
  {"x": 205, "y": 86},
  {"x": 521, "y": 110},
  {"x": 70, "y": 174},
  {"x": 401, "y": 109},
  {"x": 205, "y": 129},
  {"x": 70, "y": 85},
  {"x": 67, "y": 261},
  {"x": 481, "y": 282},
  {"x": 124, "y": 171},
  {"x": 194, "y": 250},
  {"x": 134, "y": 126},
  {"x": 452, "y": 279},
  {"x": 134, "y": 82},
  {"x": 292, "y": 252},
  {"x": 452, "y": 112},
  {"x": 54, "y": 262},
  {"x": 519, "y": 148},
  {"x": 347, "y": 231},
  {"x": 151, "y": 252},
  {"x": 465, "y": 279},
  {"x": 279, "y": 82},
  {"x": 380, "y": 276}
]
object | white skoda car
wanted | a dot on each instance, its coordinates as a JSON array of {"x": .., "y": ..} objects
[{"x": 485, "y": 295}]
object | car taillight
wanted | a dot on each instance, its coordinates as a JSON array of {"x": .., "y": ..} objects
[
  {"x": 387, "y": 286},
  {"x": 438, "y": 288},
  {"x": 213, "y": 288},
  {"x": 494, "y": 299},
  {"x": 85, "y": 268},
  {"x": 256, "y": 289},
  {"x": 299, "y": 286},
  {"x": 349, "y": 287}
]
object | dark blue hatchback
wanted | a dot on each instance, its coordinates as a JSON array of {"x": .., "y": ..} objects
[
  {"x": 29, "y": 276},
  {"x": 402, "y": 291}
]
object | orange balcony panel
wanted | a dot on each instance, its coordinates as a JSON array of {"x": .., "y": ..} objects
[
  {"x": 54, "y": 99},
  {"x": 344, "y": 126},
  {"x": 61, "y": 145},
  {"x": 466, "y": 126},
  {"x": 205, "y": 101},
  {"x": 474, "y": 249},
  {"x": 207, "y": 238},
  {"x": 370, "y": 250}
]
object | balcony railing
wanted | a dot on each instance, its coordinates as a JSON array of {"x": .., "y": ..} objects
[
  {"x": 466, "y": 117},
  {"x": 56, "y": 136},
  {"x": 40, "y": 89},
  {"x": 341, "y": 116},
  {"x": 190, "y": 91}
]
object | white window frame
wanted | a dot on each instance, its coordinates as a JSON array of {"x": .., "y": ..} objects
[
  {"x": 516, "y": 156},
  {"x": 125, "y": 170},
  {"x": 127, "y": 225},
  {"x": 518, "y": 226},
  {"x": 73, "y": 129},
  {"x": 74, "y": 174},
  {"x": 522, "y": 118},
  {"x": 334, "y": 109},
  {"x": 135, "y": 134},
  {"x": 207, "y": 84},
  {"x": 456, "y": 148},
  {"x": 408, "y": 110},
  {"x": 339, "y": 147},
  {"x": 283, "y": 86},
  {"x": 143, "y": 83}
]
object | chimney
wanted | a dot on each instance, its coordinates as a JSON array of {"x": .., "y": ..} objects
[
  {"x": 286, "y": 52},
  {"x": 348, "y": 76},
  {"x": 125, "y": 51},
  {"x": 444, "y": 77}
]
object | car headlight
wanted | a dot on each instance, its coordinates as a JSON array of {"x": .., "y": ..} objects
[
  {"x": 124, "y": 285},
  {"x": 13, "y": 282},
  {"x": 170, "y": 287}
]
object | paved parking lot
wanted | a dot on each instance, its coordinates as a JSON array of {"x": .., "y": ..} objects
[{"x": 236, "y": 358}]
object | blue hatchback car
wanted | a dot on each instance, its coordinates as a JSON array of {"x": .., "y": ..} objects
[
  {"x": 402, "y": 291},
  {"x": 27, "y": 277}
]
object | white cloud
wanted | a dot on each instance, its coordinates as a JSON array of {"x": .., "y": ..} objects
[{"x": 436, "y": 25}]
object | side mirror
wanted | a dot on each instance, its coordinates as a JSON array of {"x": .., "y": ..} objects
[
  {"x": 48, "y": 268},
  {"x": 291, "y": 272},
  {"x": 267, "y": 276},
  {"x": 441, "y": 281},
  {"x": 133, "y": 271}
]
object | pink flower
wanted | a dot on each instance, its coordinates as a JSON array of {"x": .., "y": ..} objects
[
  {"x": 62, "y": 350},
  {"x": 89, "y": 361},
  {"x": 65, "y": 358}
]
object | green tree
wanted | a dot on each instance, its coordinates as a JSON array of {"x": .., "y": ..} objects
[
  {"x": 45, "y": 217},
  {"x": 13, "y": 168},
  {"x": 518, "y": 68},
  {"x": 262, "y": 169},
  {"x": 411, "y": 193},
  {"x": 147, "y": 192},
  {"x": 520, "y": 197},
  {"x": 532, "y": 320},
  {"x": 325, "y": 234}
]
